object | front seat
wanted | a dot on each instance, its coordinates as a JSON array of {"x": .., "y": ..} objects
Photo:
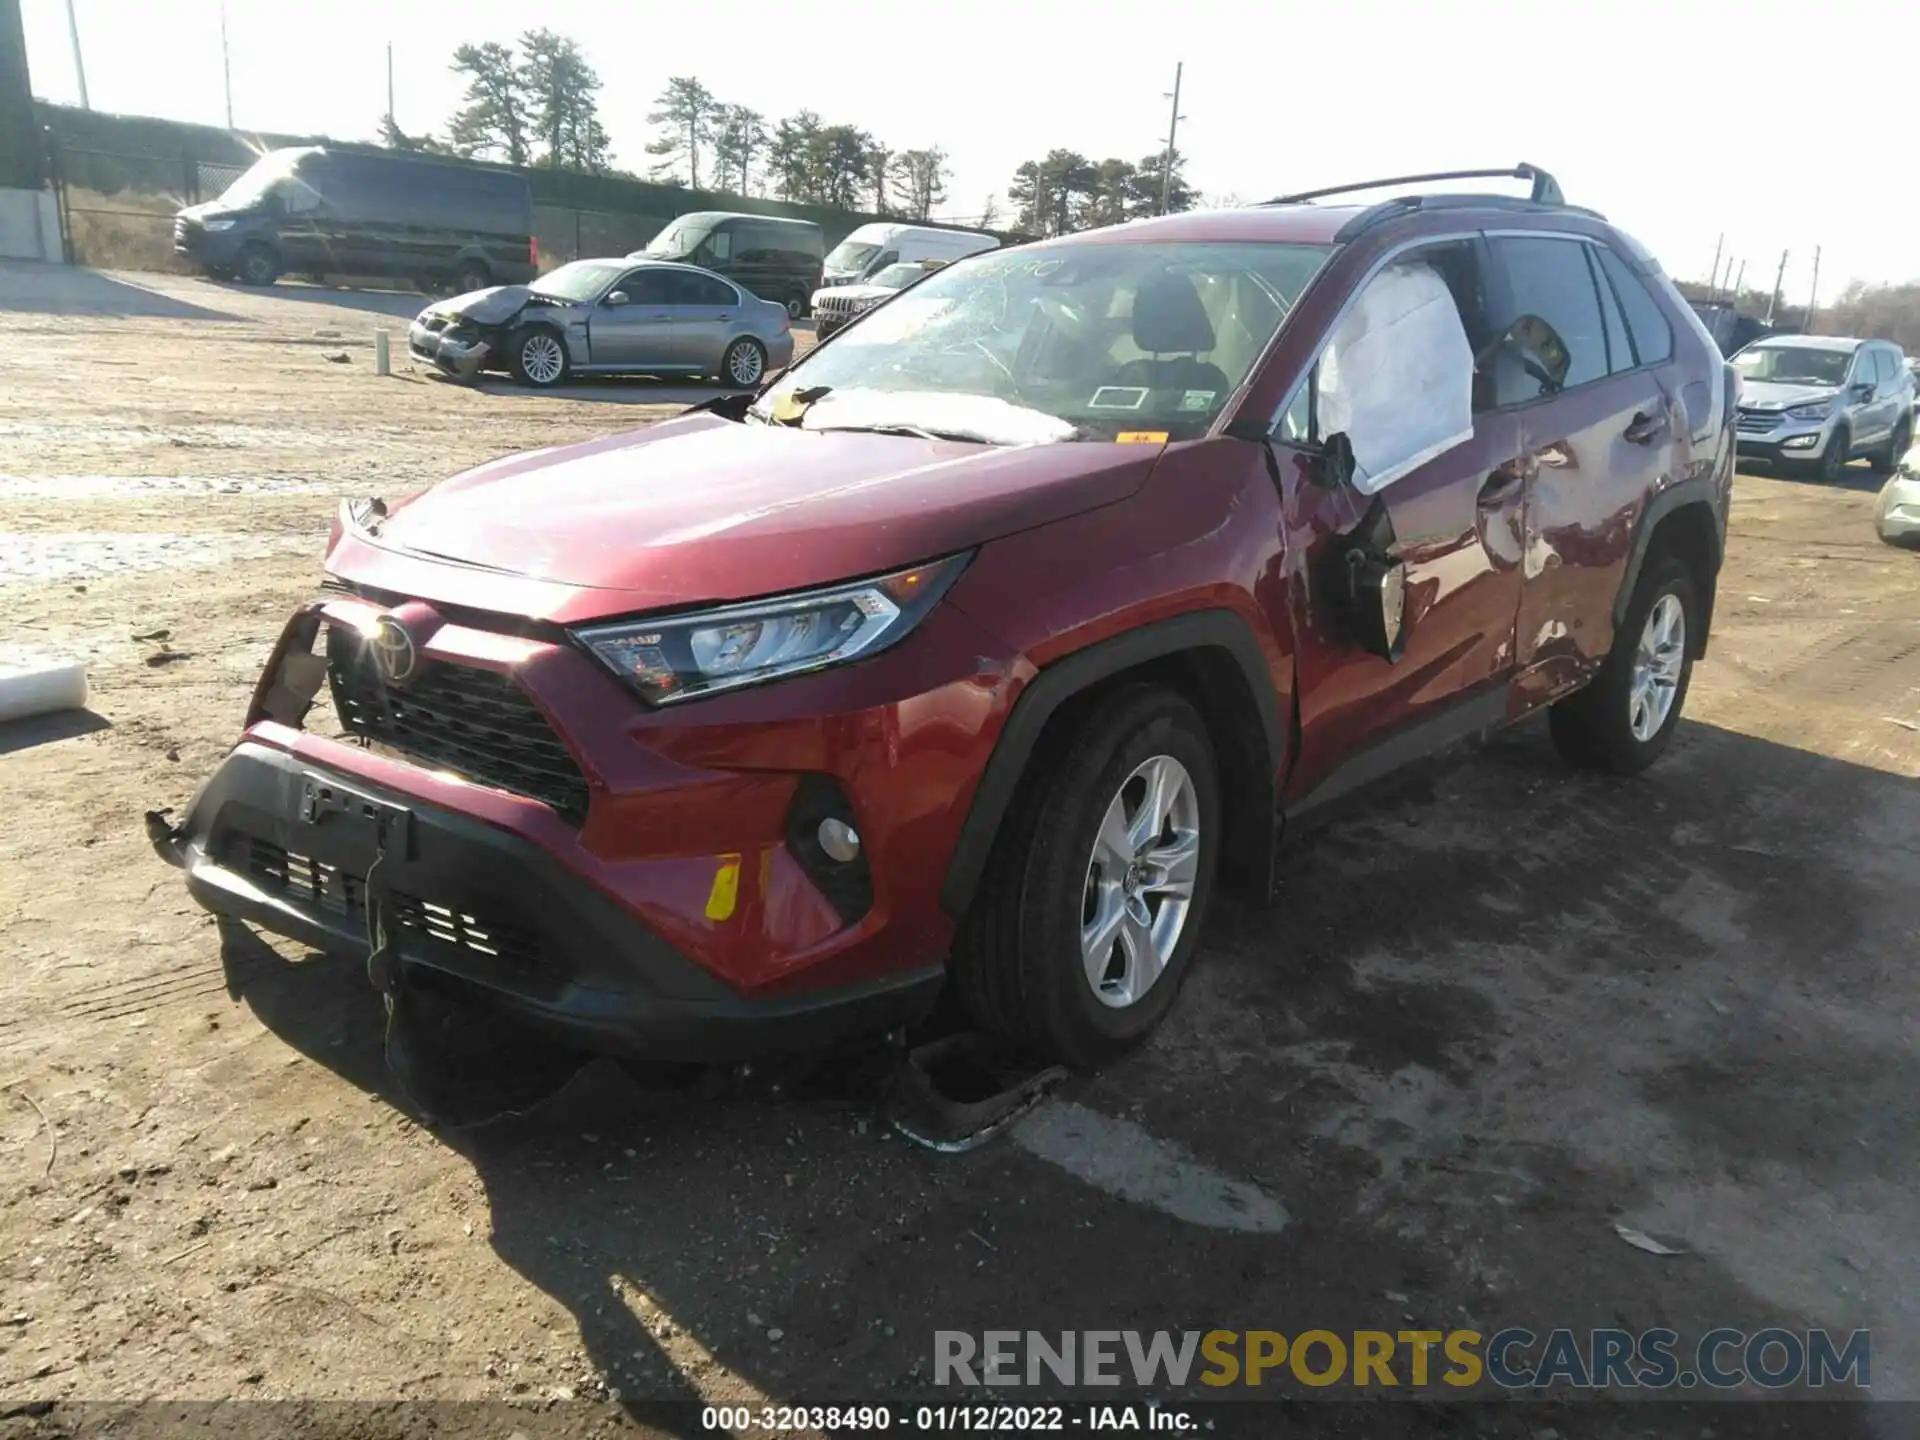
[{"x": 1168, "y": 319}]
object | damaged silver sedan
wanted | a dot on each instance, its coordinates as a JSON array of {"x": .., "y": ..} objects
[{"x": 607, "y": 317}]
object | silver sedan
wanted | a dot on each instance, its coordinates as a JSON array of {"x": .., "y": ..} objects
[{"x": 608, "y": 317}]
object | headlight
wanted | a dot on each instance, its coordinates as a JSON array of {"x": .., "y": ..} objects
[
  {"x": 216, "y": 224},
  {"x": 1818, "y": 410},
  {"x": 682, "y": 656}
]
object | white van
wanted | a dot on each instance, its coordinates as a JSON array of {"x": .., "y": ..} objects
[{"x": 872, "y": 248}]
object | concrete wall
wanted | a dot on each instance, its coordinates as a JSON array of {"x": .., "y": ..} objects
[{"x": 29, "y": 225}]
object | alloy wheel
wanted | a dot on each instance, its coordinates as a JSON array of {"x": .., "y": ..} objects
[
  {"x": 1140, "y": 879},
  {"x": 744, "y": 364},
  {"x": 1657, "y": 664},
  {"x": 541, "y": 359}
]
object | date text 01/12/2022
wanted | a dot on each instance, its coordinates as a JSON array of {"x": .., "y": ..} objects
[{"x": 742, "y": 1420}]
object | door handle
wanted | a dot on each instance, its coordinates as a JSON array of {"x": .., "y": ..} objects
[
  {"x": 1645, "y": 428},
  {"x": 1499, "y": 489}
]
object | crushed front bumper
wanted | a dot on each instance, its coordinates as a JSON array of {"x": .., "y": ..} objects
[
  {"x": 282, "y": 843},
  {"x": 460, "y": 358}
]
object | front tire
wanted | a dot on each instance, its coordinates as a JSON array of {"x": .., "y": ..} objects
[
  {"x": 257, "y": 265},
  {"x": 538, "y": 357},
  {"x": 1624, "y": 719},
  {"x": 1830, "y": 464},
  {"x": 744, "y": 364},
  {"x": 1092, "y": 906}
]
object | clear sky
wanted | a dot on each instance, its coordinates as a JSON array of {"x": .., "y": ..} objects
[{"x": 1679, "y": 119}]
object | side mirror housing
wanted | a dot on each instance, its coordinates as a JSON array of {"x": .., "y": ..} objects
[
  {"x": 1333, "y": 464},
  {"x": 1539, "y": 350},
  {"x": 616, "y": 297},
  {"x": 1368, "y": 585},
  {"x": 1863, "y": 389}
]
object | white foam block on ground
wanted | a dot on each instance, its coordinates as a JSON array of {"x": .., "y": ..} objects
[{"x": 41, "y": 687}]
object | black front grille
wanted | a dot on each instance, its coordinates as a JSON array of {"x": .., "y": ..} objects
[
  {"x": 315, "y": 885},
  {"x": 476, "y": 723}
]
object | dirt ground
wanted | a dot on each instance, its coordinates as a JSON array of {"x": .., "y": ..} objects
[{"x": 1488, "y": 1019}]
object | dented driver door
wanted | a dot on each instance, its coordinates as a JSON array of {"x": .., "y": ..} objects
[{"x": 1457, "y": 526}]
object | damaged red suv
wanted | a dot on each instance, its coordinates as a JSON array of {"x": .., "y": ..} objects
[{"x": 988, "y": 639}]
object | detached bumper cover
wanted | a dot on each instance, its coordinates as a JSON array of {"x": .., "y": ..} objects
[{"x": 276, "y": 841}]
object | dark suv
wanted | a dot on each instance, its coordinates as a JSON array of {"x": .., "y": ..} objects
[{"x": 984, "y": 642}]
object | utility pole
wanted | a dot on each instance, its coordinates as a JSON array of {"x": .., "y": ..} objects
[
  {"x": 1739, "y": 281},
  {"x": 1173, "y": 125},
  {"x": 79, "y": 68},
  {"x": 1773, "y": 301},
  {"x": 390, "y": 120},
  {"x": 226, "y": 63},
  {"x": 1713, "y": 275},
  {"x": 1813, "y": 299}
]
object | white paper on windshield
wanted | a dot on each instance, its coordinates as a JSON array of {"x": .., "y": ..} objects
[{"x": 1397, "y": 377}]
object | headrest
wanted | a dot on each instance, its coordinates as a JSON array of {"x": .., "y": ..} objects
[{"x": 1168, "y": 316}]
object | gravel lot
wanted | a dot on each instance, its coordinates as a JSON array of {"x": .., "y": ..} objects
[{"x": 1493, "y": 1016}]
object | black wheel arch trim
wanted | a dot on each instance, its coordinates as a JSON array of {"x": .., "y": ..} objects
[
  {"x": 1696, "y": 490},
  {"x": 1075, "y": 674}
]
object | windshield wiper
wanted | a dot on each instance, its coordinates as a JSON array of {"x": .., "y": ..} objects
[{"x": 918, "y": 432}]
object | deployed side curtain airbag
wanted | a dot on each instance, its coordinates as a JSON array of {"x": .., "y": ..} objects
[{"x": 1397, "y": 377}]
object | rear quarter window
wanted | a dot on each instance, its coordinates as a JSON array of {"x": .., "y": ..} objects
[
  {"x": 1646, "y": 321},
  {"x": 1548, "y": 278}
]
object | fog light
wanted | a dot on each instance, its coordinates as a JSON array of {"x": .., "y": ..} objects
[
  {"x": 1799, "y": 442},
  {"x": 839, "y": 840}
]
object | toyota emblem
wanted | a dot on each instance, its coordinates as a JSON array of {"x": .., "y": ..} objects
[{"x": 394, "y": 651}]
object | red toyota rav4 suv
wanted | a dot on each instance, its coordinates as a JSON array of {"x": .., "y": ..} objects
[{"x": 990, "y": 637}]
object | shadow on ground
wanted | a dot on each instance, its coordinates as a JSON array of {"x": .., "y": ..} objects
[
  {"x": 1487, "y": 1019},
  {"x": 18, "y": 735},
  {"x": 32, "y": 287}
]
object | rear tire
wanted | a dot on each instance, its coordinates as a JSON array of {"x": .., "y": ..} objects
[
  {"x": 1069, "y": 948},
  {"x": 257, "y": 265},
  {"x": 1887, "y": 459},
  {"x": 744, "y": 365},
  {"x": 472, "y": 275},
  {"x": 796, "y": 306},
  {"x": 537, "y": 355},
  {"x": 1604, "y": 727}
]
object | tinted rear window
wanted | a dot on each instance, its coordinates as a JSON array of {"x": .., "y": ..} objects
[
  {"x": 1652, "y": 335},
  {"x": 452, "y": 197}
]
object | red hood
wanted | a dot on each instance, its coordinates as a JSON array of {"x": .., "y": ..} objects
[{"x": 703, "y": 509}]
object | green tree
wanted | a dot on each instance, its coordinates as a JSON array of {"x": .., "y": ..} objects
[
  {"x": 839, "y": 159},
  {"x": 687, "y": 111},
  {"x": 1052, "y": 194},
  {"x": 920, "y": 181},
  {"x": 494, "y": 118},
  {"x": 739, "y": 134},
  {"x": 562, "y": 91},
  {"x": 1146, "y": 189},
  {"x": 790, "y": 155},
  {"x": 1111, "y": 195},
  {"x": 394, "y": 138}
]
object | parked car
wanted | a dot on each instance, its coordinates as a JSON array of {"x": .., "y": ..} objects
[
  {"x": 872, "y": 248},
  {"x": 771, "y": 256},
  {"x": 834, "y": 306},
  {"x": 1897, "y": 519},
  {"x": 321, "y": 212},
  {"x": 607, "y": 317},
  {"x": 1814, "y": 402},
  {"x": 985, "y": 643}
]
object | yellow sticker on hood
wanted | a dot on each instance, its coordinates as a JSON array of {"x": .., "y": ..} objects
[
  {"x": 1141, "y": 437},
  {"x": 726, "y": 889}
]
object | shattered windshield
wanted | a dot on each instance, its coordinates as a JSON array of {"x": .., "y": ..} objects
[
  {"x": 1793, "y": 365},
  {"x": 898, "y": 277},
  {"x": 579, "y": 282},
  {"x": 1103, "y": 339}
]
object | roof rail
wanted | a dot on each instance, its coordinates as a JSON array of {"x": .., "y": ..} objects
[{"x": 1546, "y": 190}]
